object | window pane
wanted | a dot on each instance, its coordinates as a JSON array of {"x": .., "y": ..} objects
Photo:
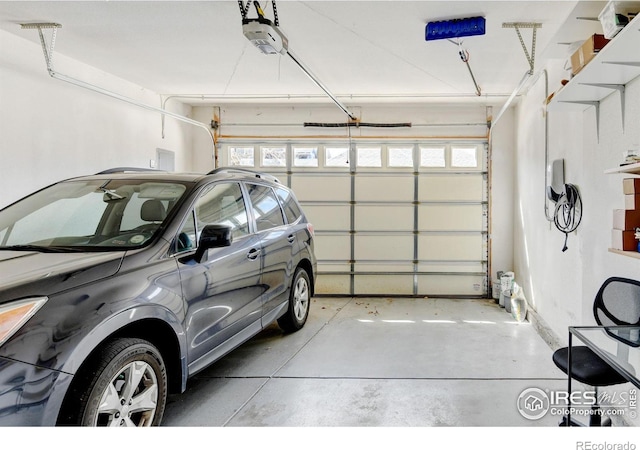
[
  {"x": 274, "y": 156},
  {"x": 265, "y": 207},
  {"x": 305, "y": 157},
  {"x": 223, "y": 205},
  {"x": 401, "y": 157},
  {"x": 241, "y": 156},
  {"x": 117, "y": 213},
  {"x": 291, "y": 208},
  {"x": 464, "y": 157},
  {"x": 432, "y": 157},
  {"x": 369, "y": 157},
  {"x": 337, "y": 156}
]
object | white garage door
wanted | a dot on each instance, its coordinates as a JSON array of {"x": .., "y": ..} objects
[{"x": 391, "y": 218}]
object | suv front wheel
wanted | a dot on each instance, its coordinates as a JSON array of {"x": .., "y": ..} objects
[{"x": 127, "y": 386}]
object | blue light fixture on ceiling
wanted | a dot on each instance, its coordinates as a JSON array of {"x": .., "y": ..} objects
[{"x": 456, "y": 28}]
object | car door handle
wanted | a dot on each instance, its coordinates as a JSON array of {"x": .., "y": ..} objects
[
  {"x": 253, "y": 254},
  {"x": 291, "y": 238}
]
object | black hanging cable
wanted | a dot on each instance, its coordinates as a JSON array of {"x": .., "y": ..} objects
[
  {"x": 244, "y": 9},
  {"x": 568, "y": 213},
  {"x": 276, "y": 22}
]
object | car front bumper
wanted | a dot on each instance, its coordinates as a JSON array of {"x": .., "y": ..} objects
[{"x": 30, "y": 395}]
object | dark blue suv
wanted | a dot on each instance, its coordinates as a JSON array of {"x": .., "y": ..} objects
[{"x": 116, "y": 288}]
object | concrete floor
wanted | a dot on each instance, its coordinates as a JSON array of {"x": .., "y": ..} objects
[{"x": 378, "y": 363}]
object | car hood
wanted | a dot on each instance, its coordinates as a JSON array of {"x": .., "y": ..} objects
[{"x": 25, "y": 273}]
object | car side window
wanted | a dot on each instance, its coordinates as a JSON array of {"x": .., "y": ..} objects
[
  {"x": 266, "y": 207},
  {"x": 289, "y": 204},
  {"x": 223, "y": 204}
]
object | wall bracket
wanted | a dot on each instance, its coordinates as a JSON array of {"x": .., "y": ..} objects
[
  {"x": 618, "y": 87},
  {"x": 596, "y": 105},
  {"x": 531, "y": 58}
]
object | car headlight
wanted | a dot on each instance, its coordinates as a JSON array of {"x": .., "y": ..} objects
[{"x": 16, "y": 314}]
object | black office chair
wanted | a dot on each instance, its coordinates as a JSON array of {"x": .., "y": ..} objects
[{"x": 617, "y": 303}]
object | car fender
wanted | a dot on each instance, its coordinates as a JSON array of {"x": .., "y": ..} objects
[{"x": 121, "y": 320}]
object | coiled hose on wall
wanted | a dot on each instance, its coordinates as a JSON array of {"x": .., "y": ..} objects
[{"x": 568, "y": 213}]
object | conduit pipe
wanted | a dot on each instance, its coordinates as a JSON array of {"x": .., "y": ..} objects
[
  {"x": 515, "y": 92},
  {"x": 48, "y": 56}
]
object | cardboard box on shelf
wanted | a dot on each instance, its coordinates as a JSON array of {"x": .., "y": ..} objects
[
  {"x": 626, "y": 219},
  {"x": 624, "y": 240},
  {"x": 631, "y": 186},
  {"x": 632, "y": 201},
  {"x": 587, "y": 51}
]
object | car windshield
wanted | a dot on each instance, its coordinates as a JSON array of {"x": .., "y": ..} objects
[{"x": 89, "y": 215}]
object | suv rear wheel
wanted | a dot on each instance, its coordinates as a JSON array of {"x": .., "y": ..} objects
[{"x": 299, "y": 301}]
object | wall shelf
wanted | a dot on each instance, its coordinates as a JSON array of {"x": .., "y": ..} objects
[
  {"x": 628, "y": 168},
  {"x": 625, "y": 253},
  {"x": 610, "y": 70}
]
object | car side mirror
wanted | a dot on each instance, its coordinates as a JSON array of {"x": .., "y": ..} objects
[{"x": 213, "y": 236}]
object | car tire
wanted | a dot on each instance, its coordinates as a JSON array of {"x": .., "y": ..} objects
[
  {"x": 127, "y": 386},
  {"x": 299, "y": 303}
]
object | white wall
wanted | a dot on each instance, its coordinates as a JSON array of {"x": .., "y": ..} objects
[
  {"x": 50, "y": 130},
  {"x": 561, "y": 286}
]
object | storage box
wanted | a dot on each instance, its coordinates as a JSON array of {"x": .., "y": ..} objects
[
  {"x": 616, "y": 15},
  {"x": 624, "y": 240},
  {"x": 632, "y": 201},
  {"x": 631, "y": 186},
  {"x": 626, "y": 219},
  {"x": 587, "y": 51}
]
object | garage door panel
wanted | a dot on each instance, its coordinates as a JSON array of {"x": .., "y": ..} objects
[
  {"x": 472, "y": 285},
  {"x": 321, "y": 188},
  {"x": 384, "y": 218},
  {"x": 438, "y": 217},
  {"x": 451, "y": 247},
  {"x": 384, "y": 248},
  {"x": 384, "y": 285},
  {"x": 414, "y": 223},
  {"x": 332, "y": 248},
  {"x": 452, "y": 267},
  {"x": 328, "y": 217},
  {"x": 450, "y": 188},
  {"x": 330, "y": 284},
  {"x": 382, "y": 268},
  {"x": 384, "y": 188}
]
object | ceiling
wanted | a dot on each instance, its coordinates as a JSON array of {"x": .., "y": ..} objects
[{"x": 364, "y": 50}]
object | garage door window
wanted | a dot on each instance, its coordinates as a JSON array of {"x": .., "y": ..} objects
[
  {"x": 432, "y": 157},
  {"x": 464, "y": 157},
  {"x": 305, "y": 156},
  {"x": 241, "y": 156},
  {"x": 273, "y": 156},
  {"x": 369, "y": 156},
  {"x": 400, "y": 156},
  {"x": 336, "y": 156}
]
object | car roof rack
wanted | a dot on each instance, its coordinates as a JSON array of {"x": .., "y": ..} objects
[
  {"x": 126, "y": 169},
  {"x": 261, "y": 175}
]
